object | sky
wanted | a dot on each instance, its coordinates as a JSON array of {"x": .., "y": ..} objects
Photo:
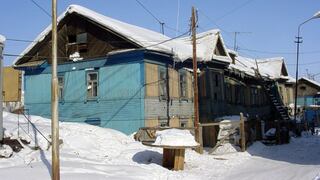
[{"x": 267, "y": 28}]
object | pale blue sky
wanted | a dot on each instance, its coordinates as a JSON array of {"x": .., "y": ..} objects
[{"x": 273, "y": 23}]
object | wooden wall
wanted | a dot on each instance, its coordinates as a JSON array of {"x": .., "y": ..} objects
[
  {"x": 175, "y": 108},
  {"x": 99, "y": 41},
  {"x": 306, "y": 89}
]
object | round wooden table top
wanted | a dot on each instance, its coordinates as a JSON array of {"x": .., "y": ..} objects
[{"x": 148, "y": 143}]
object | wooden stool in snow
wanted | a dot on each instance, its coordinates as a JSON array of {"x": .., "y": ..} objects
[{"x": 173, "y": 142}]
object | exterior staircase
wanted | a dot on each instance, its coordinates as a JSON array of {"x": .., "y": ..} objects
[{"x": 275, "y": 98}]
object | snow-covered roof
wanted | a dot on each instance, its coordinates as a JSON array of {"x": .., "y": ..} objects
[
  {"x": 151, "y": 40},
  {"x": 310, "y": 81},
  {"x": 270, "y": 67},
  {"x": 206, "y": 45},
  {"x": 245, "y": 65},
  {"x": 274, "y": 67}
]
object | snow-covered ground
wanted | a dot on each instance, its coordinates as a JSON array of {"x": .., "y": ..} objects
[{"x": 90, "y": 152}]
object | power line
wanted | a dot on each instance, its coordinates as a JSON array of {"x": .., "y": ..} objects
[
  {"x": 42, "y": 9},
  {"x": 20, "y": 40},
  {"x": 305, "y": 64},
  {"x": 234, "y": 9},
  {"x": 142, "y": 48},
  {"x": 275, "y": 52},
  {"x": 145, "y": 8},
  {"x": 228, "y": 33}
]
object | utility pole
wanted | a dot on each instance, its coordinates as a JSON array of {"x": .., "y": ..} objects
[
  {"x": 54, "y": 98},
  {"x": 195, "y": 77},
  {"x": 2, "y": 40}
]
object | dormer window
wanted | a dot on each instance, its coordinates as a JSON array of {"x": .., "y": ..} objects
[
  {"x": 72, "y": 39},
  {"x": 78, "y": 39},
  {"x": 82, "y": 38}
]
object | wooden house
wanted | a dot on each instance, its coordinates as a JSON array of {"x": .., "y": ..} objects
[
  {"x": 308, "y": 91},
  {"x": 113, "y": 74}
]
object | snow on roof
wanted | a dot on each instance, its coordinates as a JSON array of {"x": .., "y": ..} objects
[
  {"x": 206, "y": 44},
  {"x": 245, "y": 65},
  {"x": 311, "y": 81},
  {"x": 2, "y": 39},
  {"x": 273, "y": 67},
  {"x": 180, "y": 48},
  {"x": 269, "y": 67}
]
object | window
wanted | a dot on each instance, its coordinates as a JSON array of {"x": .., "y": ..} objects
[
  {"x": 163, "y": 83},
  {"x": 183, "y": 84},
  {"x": 72, "y": 38},
  {"x": 303, "y": 88},
  {"x": 183, "y": 123},
  {"x": 163, "y": 122},
  {"x": 217, "y": 80},
  {"x": 82, "y": 38},
  {"x": 238, "y": 94},
  {"x": 253, "y": 95},
  {"x": 60, "y": 87},
  {"x": 92, "y": 85}
]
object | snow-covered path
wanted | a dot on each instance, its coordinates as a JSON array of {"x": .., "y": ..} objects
[
  {"x": 90, "y": 152},
  {"x": 298, "y": 160}
]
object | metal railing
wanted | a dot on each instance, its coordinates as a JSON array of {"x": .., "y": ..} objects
[{"x": 27, "y": 121}]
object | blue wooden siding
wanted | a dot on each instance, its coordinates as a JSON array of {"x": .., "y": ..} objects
[{"x": 120, "y": 102}]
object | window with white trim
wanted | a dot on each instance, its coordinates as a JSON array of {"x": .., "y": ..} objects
[
  {"x": 92, "y": 85},
  {"x": 60, "y": 87}
]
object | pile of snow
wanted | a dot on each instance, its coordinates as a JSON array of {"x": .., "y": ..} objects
[
  {"x": 226, "y": 148},
  {"x": 175, "y": 137},
  {"x": 90, "y": 152},
  {"x": 271, "y": 132},
  {"x": 5, "y": 151},
  {"x": 75, "y": 57}
]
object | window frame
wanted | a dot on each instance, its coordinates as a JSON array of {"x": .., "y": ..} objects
[
  {"x": 163, "y": 82},
  {"x": 183, "y": 86},
  {"x": 92, "y": 97},
  {"x": 61, "y": 87}
]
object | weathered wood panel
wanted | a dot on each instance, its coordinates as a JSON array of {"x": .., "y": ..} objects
[
  {"x": 98, "y": 43},
  {"x": 173, "y": 83},
  {"x": 152, "y": 80},
  {"x": 189, "y": 85},
  {"x": 11, "y": 85},
  {"x": 151, "y": 123},
  {"x": 174, "y": 122}
]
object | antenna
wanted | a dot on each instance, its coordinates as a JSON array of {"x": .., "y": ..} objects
[{"x": 235, "y": 46}]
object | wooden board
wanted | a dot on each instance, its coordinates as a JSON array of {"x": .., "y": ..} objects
[
  {"x": 152, "y": 78},
  {"x": 11, "y": 85},
  {"x": 174, "y": 83}
]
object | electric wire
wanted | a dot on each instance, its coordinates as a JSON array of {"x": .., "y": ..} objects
[{"x": 41, "y": 8}]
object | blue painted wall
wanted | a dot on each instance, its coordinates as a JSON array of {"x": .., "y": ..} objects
[{"x": 120, "y": 102}]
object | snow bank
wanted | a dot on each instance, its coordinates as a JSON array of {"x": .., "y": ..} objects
[
  {"x": 5, "y": 151},
  {"x": 226, "y": 148},
  {"x": 175, "y": 137},
  {"x": 271, "y": 132}
]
